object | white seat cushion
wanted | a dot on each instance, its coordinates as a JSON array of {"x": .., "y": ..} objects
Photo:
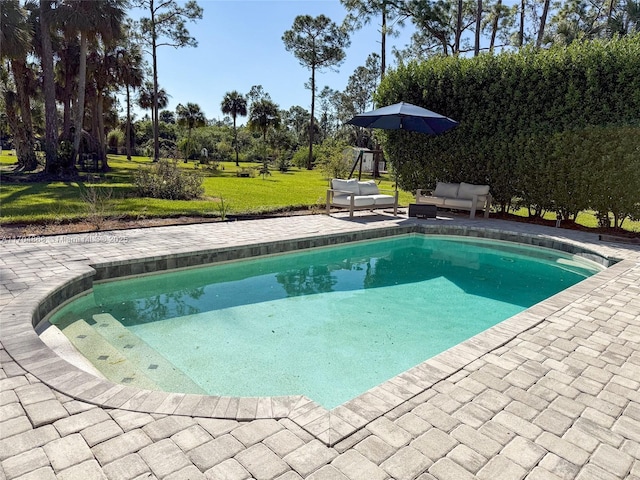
[
  {"x": 457, "y": 203},
  {"x": 359, "y": 201},
  {"x": 438, "y": 201},
  {"x": 350, "y": 185},
  {"x": 368, "y": 188},
  {"x": 449, "y": 190},
  {"x": 382, "y": 199},
  {"x": 468, "y": 190}
]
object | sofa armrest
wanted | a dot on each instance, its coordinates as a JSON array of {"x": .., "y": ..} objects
[
  {"x": 487, "y": 205},
  {"x": 423, "y": 193},
  {"x": 331, "y": 192}
]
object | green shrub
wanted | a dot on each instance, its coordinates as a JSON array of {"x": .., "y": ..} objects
[
  {"x": 249, "y": 172},
  {"x": 283, "y": 163},
  {"x": 334, "y": 158},
  {"x": 301, "y": 157},
  {"x": 613, "y": 156},
  {"x": 522, "y": 118},
  {"x": 165, "y": 180}
]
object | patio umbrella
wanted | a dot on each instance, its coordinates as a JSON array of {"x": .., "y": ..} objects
[{"x": 404, "y": 116}]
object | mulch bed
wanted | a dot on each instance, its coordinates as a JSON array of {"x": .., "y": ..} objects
[
  {"x": 15, "y": 230},
  {"x": 53, "y": 228}
]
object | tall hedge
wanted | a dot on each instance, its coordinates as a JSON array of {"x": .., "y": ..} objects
[{"x": 529, "y": 122}]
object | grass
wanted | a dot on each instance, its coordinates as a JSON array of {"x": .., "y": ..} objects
[
  {"x": 225, "y": 194},
  {"x": 586, "y": 218},
  {"x": 62, "y": 201}
]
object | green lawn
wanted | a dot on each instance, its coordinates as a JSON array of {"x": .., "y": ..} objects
[
  {"x": 224, "y": 192},
  {"x": 43, "y": 202}
]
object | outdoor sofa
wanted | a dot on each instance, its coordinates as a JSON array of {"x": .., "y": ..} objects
[
  {"x": 458, "y": 196},
  {"x": 358, "y": 195}
]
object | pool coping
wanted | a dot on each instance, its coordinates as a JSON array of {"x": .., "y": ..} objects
[{"x": 329, "y": 426}]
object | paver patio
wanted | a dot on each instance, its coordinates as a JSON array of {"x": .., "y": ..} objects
[{"x": 552, "y": 394}]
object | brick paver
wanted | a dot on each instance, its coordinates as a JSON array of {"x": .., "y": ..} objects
[{"x": 559, "y": 400}]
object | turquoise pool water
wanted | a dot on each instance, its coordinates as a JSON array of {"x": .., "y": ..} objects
[{"x": 327, "y": 323}]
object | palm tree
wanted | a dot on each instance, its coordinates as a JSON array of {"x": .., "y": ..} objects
[
  {"x": 131, "y": 75},
  {"x": 17, "y": 34},
  {"x": 190, "y": 116},
  {"x": 66, "y": 73},
  {"x": 101, "y": 78},
  {"x": 49, "y": 87},
  {"x": 264, "y": 115},
  {"x": 145, "y": 97},
  {"x": 146, "y": 102},
  {"x": 89, "y": 19},
  {"x": 234, "y": 104}
]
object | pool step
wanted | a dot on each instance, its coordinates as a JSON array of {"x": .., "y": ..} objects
[
  {"x": 105, "y": 357},
  {"x": 156, "y": 367}
]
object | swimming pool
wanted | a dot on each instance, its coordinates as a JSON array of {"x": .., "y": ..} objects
[{"x": 347, "y": 318}]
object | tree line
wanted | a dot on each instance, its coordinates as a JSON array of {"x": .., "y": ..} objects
[
  {"x": 459, "y": 27},
  {"x": 77, "y": 54},
  {"x": 64, "y": 62}
]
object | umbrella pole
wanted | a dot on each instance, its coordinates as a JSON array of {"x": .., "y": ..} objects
[{"x": 396, "y": 170}]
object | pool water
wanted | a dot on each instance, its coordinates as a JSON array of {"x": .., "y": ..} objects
[{"x": 327, "y": 323}]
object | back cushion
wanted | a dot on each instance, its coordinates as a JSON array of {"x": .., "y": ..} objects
[
  {"x": 446, "y": 190},
  {"x": 468, "y": 190},
  {"x": 350, "y": 185},
  {"x": 368, "y": 188}
]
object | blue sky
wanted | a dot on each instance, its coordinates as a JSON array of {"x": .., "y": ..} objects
[{"x": 240, "y": 45}]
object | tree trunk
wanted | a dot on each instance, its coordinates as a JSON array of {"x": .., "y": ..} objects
[
  {"x": 15, "y": 125},
  {"x": 456, "y": 45},
  {"x": 188, "y": 146},
  {"x": 612, "y": 6},
  {"x": 94, "y": 128},
  {"x": 66, "y": 101},
  {"x": 128, "y": 134},
  {"x": 235, "y": 138},
  {"x": 101, "y": 134},
  {"x": 27, "y": 156},
  {"x": 476, "y": 48},
  {"x": 521, "y": 32},
  {"x": 543, "y": 22},
  {"x": 311, "y": 121},
  {"x": 154, "y": 109},
  {"x": 79, "y": 120},
  {"x": 494, "y": 26},
  {"x": 383, "y": 40},
  {"x": 50, "y": 111}
]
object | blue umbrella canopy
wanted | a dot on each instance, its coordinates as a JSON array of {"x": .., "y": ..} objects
[{"x": 404, "y": 116}]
